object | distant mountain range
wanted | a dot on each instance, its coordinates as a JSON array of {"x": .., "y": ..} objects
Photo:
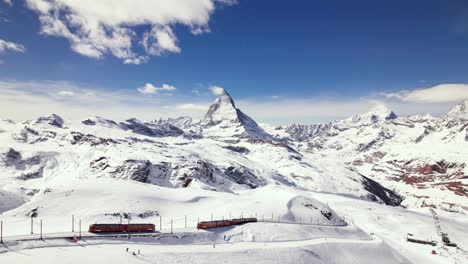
[{"x": 417, "y": 161}]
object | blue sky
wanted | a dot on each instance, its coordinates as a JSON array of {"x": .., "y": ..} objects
[{"x": 260, "y": 51}]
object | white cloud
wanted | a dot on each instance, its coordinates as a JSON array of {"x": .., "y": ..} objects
[
  {"x": 160, "y": 40},
  {"x": 192, "y": 107},
  {"x": 98, "y": 28},
  {"x": 137, "y": 61},
  {"x": 66, "y": 93},
  {"x": 151, "y": 89},
  {"x": 6, "y": 45},
  {"x": 217, "y": 90},
  {"x": 8, "y": 2},
  {"x": 442, "y": 93}
]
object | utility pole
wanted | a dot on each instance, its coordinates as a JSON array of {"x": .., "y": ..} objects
[
  {"x": 32, "y": 225},
  {"x": 171, "y": 225},
  {"x": 160, "y": 222},
  {"x": 185, "y": 221},
  {"x": 80, "y": 228},
  {"x": 41, "y": 229},
  {"x": 73, "y": 223},
  {"x": 120, "y": 218},
  {"x": 1, "y": 232}
]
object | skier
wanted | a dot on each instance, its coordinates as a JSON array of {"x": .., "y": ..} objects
[
  {"x": 127, "y": 249},
  {"x": 224, "y": 238},
  {"x": 134, "y": 253}
]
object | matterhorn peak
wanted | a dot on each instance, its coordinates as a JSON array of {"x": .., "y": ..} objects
[
  {"x": 226, "y": 119},
  {"x": 460, "y": 110}
]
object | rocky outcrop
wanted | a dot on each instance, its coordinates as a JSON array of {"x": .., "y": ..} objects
[
  {"x": 53, "y": 120},
  {"x": 242, "y": 175},
  {"x": 380, "y": 193}
]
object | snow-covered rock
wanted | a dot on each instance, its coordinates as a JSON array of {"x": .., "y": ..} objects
[{"x": 459, "y": 111}]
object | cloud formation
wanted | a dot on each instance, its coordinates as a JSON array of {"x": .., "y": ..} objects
[
  {"x": 107, "y": 27},
  {"x": 7, "y": 45},
  {"x": 443, "y": 93},
  {"x": 151, "y": 89}
]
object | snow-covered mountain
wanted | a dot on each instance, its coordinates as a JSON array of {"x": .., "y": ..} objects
[
  {"x": 416, "y": 161},
  {"x": 421, "y": 158},
  {"x": 224, "y": 120}
]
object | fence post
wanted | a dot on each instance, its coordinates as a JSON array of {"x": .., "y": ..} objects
[
  {"x": 278, "y": 219},
  {"x": 80, "y": 228},
  {"x": 1, "y": 232},
  {"x": 185, "y": 221},
  {"x": 41, "y": 229},
  {"x": 300, "y": 220},
  {"x": 73, "y": 223},
  {"x": 171, "y": 225},
  {"x": 160, "y": 222},
  {"x": 262, "y": 218},
  {"x": 120, "y": 218},
  {"x": 32, "y": 229},
  {"x": 272, "y": 217}
]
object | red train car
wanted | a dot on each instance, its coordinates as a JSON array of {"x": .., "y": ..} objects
[
  {"x": 112, "y": 228},
  {"x": 221, "y": 223},
  {"x": 213, "y": 224}
]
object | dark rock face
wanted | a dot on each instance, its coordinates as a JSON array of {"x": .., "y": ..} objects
[
  {"x": 31, "y": 136},
  {"x": 32, "y": 175},
  {"x": 99, "y": 164},
  {"x": 242, "y": 150},
  {"x": 12, "y": 157},
  {"x": 242, "y": 175},
  {"x": 53, "y": 120},
  {"x": 141, "y": 170},
  {"x": 202, "y": 170},
  {"x": 88, "y": 122},
  {"x": 137, "y": 170},
  {"x": 80, "y": 138},
  {"x": 152, "y": 130},
  {"x": 385, "y": 195}
]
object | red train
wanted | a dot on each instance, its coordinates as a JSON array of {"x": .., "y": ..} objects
[
  {"x": 110, "y": 228},
  {"x": 221, "y": 223}
]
